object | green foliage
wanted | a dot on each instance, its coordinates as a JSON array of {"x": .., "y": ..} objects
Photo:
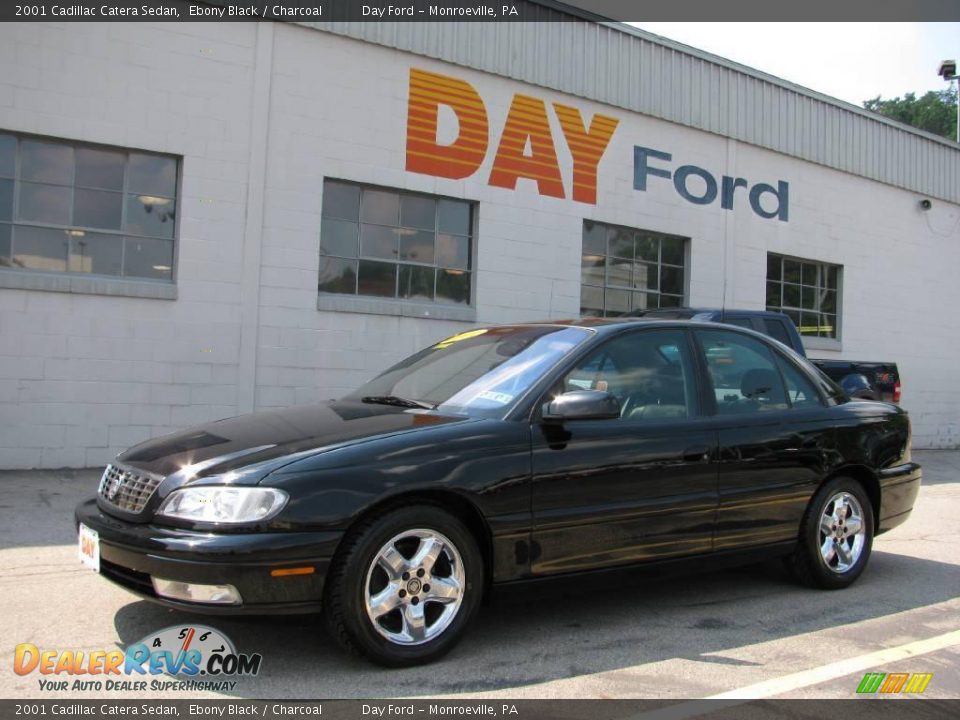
[{"x": 935, "y": 111}]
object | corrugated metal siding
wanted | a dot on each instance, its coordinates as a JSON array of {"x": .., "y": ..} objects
[{"x": 636, "y": 71}]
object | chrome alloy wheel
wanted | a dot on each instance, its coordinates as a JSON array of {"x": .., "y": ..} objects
[
  {"x": 842, "y": 532},
  {"x": 414, "y": 587}
]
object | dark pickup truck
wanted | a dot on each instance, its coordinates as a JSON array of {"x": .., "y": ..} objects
[{"x": 865, "y": 380}]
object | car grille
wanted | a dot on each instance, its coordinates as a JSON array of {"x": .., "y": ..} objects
[{"x": 126, "y": 489}]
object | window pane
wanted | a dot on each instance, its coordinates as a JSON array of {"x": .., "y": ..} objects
[
  {"x": 339, "y": 237},
  {"x": 643, "y": 301},
  {"x": 591, "y": 301},
  {"x": 415, "y": 282},
  {"x": 619, "y": 272},
  {"x": 828, "y": 326},
  {"x": 648, "y": 248},
  {"x": 774, "y": 267},
  {"x": 453, "y": 217},
  {"x": 97, "y": 208},
  {"x": 148, "y": 258},
  {"x": 791, "y": 271},
  {"x": 808, "y": 296},
  {"x": 832, "y": 277},
  {"x": 418, "y": 212},
  {"x": 45, "y": 203},
  {"x": 8, "y": 154},
  {"x": 800, "y": 390},
  {"x": 379, "y": 242},
  {"x": 338, "y": 276},
  {"x": 151, "y": 215},
  {"x": 4, "y": 245},
  {"x": 791, "y": 296},
  {"x": 453, "y": 251},
  {"x": 6, "y": 200},
  {"x": 592, "y": 270},
  {"x": 671, "y": 301},
  {"x": 152, "y": 175},
  {"x": 594, "y": 238},
  {"x": 671, "y": 280},
  {"x": 810, "y": 274},
  {"x": 645, "y": 276},
  {"x": 809, "y": 323},
  {"x": 380, "y": 207},
  {"x": 828, "y": 301},
  {"x": 742, "y": 373},
  {"x": 100, "y": 168},
  {"x": 416, "y": 245},
  {"x": 341, "y": 200},
  {"x": 620, "y": 242},
  {"x": 94, "y": 253},
  {"x": 616, "y": 302},
  {"x": 453, "y": 286},
  {"x": 650, "y": 373},
  {"x": 46, "y": 162},
  {"x": 377, "y": 278},
  {"x": 40, "y": 249},
  {"x": 671, "y": 251},
  {"x": 773, "y": 294}
]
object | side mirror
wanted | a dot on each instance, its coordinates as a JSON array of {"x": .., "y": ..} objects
[{"x": 581, "y": 405}]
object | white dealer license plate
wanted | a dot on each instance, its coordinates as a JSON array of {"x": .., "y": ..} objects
[{"x": 88, "y": 544}]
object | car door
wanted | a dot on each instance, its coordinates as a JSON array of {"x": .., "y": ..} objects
[
  {"x": 636, "y": 488},
  {"x": 775, "y": 435}
]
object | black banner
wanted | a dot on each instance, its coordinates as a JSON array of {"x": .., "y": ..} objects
[
  {"x": 466, "y": 11},
  {"x": 854, "y": 709}
]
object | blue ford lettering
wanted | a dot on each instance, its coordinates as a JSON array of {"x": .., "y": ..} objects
[{"x": 708, "y": 194}]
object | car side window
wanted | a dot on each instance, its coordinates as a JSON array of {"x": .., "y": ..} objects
[
  {"x": 650, "y": 372},
  {"x": 743, "y": 374},
  {"x": 777, "y": 331},
  {"x": 800, "y": 391}
]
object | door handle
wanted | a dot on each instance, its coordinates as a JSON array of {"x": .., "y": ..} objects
[{"x": 698, "y": 453}]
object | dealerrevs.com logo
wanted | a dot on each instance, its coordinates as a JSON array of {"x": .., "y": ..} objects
[
  {"x": 890, "y": 683},
  {"x": 197, "y": 657}
]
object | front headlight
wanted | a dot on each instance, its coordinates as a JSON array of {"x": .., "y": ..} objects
[{"x": 219, "y": 504}]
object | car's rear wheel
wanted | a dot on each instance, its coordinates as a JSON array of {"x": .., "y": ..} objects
[
  {"x": 404, "y": 586},
  {"x": 836, "y": 536}
]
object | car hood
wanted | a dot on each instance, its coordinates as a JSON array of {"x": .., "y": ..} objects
[{"x": 250, "y": 446}]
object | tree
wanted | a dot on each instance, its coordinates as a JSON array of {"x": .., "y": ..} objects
[{"x": 935, "y": 111}]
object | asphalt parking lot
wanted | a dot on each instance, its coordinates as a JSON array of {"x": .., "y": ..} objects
[{"x": 749, "y": 630}]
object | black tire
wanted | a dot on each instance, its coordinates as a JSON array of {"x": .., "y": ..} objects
[
  {"x": 807, "y": 563},
  {"x": 351, "y": 576}
]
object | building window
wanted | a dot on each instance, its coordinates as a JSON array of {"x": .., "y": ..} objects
[
  {"x": 807, "y": 291},
  {"x": 72, "y": 208},
  {"x": 624, "y": 269},
  {"x": 384, "y": 243}
]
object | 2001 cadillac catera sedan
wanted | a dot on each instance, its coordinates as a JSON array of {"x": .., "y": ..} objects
[{"x": 506, "y": 454}]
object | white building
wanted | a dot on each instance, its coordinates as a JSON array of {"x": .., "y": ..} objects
[{"x": 173, "y": 195}]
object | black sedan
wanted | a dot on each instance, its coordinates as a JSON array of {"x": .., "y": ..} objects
[{"x": 506, "y": 454}]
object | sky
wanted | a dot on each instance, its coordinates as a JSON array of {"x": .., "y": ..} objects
[{"x": 850, "y": 61}]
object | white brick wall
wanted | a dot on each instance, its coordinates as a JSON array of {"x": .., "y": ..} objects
[{"x": 83, "y": 376}]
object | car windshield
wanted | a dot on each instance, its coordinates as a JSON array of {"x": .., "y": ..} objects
[{"x": 481, "y": 373}]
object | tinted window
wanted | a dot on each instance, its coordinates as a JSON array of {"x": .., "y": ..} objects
[
  {"x": 649, "y": 372},
  {"x": 800, "y": 391},
  {"x": 777, "y": 331},
  {"x": 743, "y": 374}
]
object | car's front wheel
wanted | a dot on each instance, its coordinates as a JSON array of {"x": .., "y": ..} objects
[
  {"x": 836, "y": 536},
  {"x": 405, "y": 585}
]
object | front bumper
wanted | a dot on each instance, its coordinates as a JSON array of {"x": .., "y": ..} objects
[
  {"x": 132, "y": 553},
  {"x": 899, "y": 487}
]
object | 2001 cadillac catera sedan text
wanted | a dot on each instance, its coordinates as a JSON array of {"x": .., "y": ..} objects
[{"x": 505, "y": 454}]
